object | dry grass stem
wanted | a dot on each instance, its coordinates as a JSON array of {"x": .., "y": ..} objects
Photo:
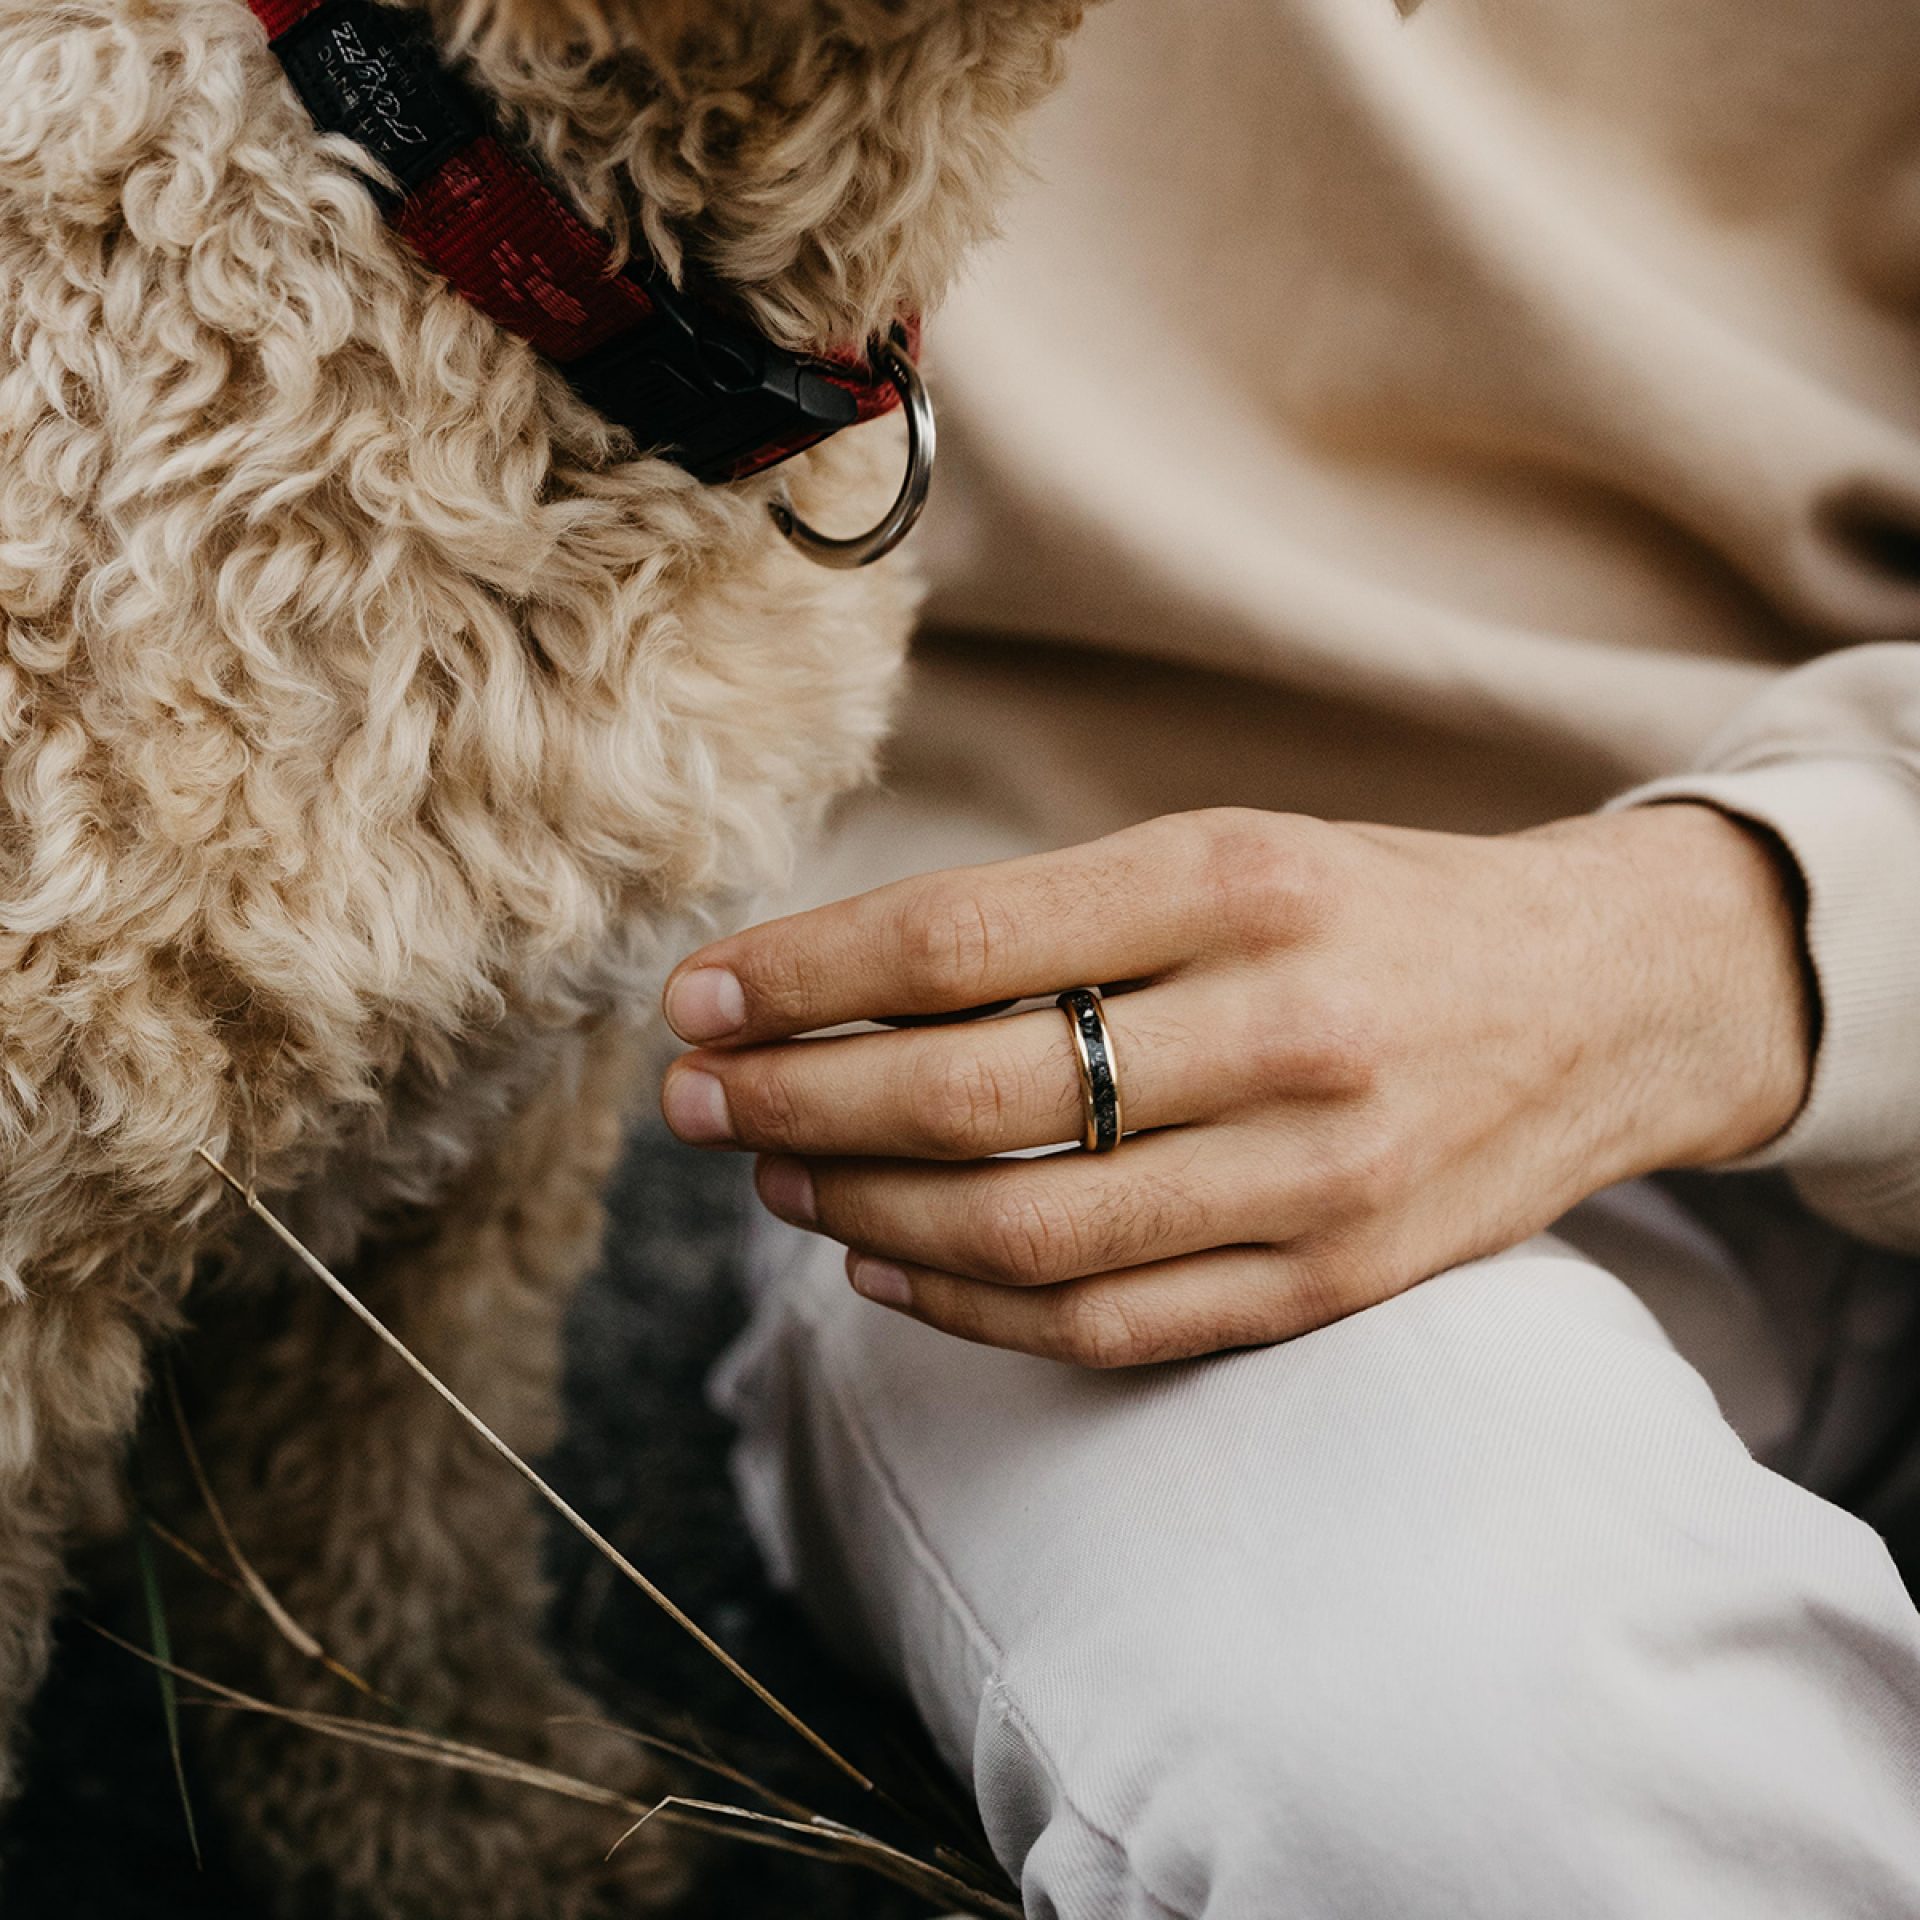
[
  {"x": 841, "y": 1842},
  {"x": 194, "y": 1557},
  {"x": 689, "y": 1756},
  {"x": 811, "y": 1837},
  {"x": 263, "y": 1595},
  {"x": 372, "y": 1321},
  {"x": 404, "y": 1742},
  {"x": 245, "y": 1574}
]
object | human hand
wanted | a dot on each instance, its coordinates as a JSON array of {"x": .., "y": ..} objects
[{"x": 1354, "y": 1056}]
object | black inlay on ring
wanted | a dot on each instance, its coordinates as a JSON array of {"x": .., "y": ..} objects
[{"x": 1082, "y": 1007}]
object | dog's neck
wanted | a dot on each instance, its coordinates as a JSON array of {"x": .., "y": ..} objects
[
  {"x": 679, "y": 371},
  {"x": 828, "y": 162}
]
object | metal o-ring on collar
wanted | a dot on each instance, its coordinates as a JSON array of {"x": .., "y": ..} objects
[{"x": 862, "y": 549}]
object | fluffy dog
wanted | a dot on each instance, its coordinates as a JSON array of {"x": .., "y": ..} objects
[{"x": 370, "y": 713}]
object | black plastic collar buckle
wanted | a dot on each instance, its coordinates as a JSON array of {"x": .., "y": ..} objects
[{"x": 725, "y": 399}]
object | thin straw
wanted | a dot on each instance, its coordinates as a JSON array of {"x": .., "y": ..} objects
[{"x": 567, "y": 1512}]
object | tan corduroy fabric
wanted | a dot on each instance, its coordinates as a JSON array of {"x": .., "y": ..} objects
[{"x": 1459, "y": 420}]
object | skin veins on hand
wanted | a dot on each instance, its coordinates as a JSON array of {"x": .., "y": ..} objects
[{"x": 1354, "y": 1056}]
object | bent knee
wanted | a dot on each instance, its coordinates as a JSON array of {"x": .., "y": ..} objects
[
  {"x": 1636, "y": 1755},
  {"x": 1348, "y": 1780},
  {"x": 1477, "y": 1595}
]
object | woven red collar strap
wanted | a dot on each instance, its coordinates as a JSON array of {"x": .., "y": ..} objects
[{"x": 680, "y": 375}]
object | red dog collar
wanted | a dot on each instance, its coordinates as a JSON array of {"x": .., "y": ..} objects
[{"x": 683, "y": 377}]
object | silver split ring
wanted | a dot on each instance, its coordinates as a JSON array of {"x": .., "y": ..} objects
[{"x": 864, "y": 548}]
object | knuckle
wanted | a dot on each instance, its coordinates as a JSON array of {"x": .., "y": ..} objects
[
  {"x": 1324, "y": 1290},
  {"x": 951, "y": 942},
  {"x": 1276, "y": 1054},
  {"x": 1262, "y": 874},
  {"x": 1138, "y": 1221},
  {"x": 1343, "y": 1046},
  {"x": 776, "y": 973},
  {"x": 1183, "y": 842},
  {"x": 1024, "y": 1238},
  {"x": 843, "y": 1202},
  {"x": 766, "y": 1108},
  {"x": 1367, "y": 1175},
  {"x": 1093, "y": 1329},
  {"x": 958, "y": 1108}
]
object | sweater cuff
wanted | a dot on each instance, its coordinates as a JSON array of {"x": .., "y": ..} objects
[{"x": 1853, "y": 827}]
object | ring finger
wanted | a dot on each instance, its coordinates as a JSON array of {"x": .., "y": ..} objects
[{"x": 957, "y": 1093}]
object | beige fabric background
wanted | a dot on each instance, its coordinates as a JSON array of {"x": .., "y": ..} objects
[{"x": 1456, "y": 421}]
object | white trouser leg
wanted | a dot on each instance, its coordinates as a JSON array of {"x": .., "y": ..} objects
[{"x": 1470, "y": 1605}]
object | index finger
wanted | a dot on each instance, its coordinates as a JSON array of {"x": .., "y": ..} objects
[{"x": 1124, "y": 907}]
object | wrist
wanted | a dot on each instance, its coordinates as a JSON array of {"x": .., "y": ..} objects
[{"x": 1709, "y": 999}]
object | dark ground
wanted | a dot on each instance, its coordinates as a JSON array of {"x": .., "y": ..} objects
[{"x": 99, "y": 1834}]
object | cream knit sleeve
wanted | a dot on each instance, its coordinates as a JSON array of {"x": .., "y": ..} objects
[{"x": 1828, "y": 759}]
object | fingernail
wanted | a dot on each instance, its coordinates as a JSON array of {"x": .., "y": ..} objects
[
  {"x": 880, "y": 1280},
  {"x": 706, "y": 1004},
  {"x": 695, "y": 1105},
  {"x": 786, "y": 1188}
]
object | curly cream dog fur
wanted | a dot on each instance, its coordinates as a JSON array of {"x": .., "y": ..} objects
[{"x": 369, "y": 714}]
